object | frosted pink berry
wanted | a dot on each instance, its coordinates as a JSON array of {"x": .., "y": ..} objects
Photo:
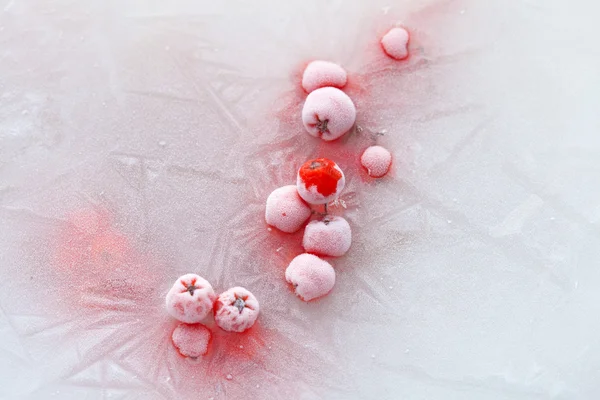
[
  {"x": 331, "y": 236},
  {"x": 236, "y": 310},
  {"x": 191, "y": 340},
  {"x": 320, "y": 181},
  {"x": 320, "y": 74},
  {"x": 377, "y": 161},
  {"x": 190, "y": 299},
  {"x": 395, "y": 43},
  {"x": 310, "y": 276},
  {"x": 286, "y": 210},
  {"x": 328, "y": 113}
]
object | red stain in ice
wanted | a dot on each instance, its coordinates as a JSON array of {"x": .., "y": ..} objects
[
  {"x": 242, "y": 346},
  {"x": 230, "y": 351},
  {"x": 89, "y": 245},
  {"x": 98, "y": 262}
]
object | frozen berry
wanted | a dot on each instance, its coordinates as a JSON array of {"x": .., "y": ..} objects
[
  {"x": 286, "y": 210},
  {"x": 191, "y": 340},
  {"x": 310, "y": 276},
  {"x": 236, "y": 310},
  {"x": 320, "y": 181},
  {"x": 320, "y": 74},
  {"x": 330, "y": 237},
  {"x": 395, "y": 43},
  {"x": 377, "y": 161},
  {"x": 328, "y": 113},
  {"x": 190, "y": 299}
]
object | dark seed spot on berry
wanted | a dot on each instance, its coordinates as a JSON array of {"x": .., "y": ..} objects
[
  {"x": 191, "y": 289},
  {"x": 322, "y": 126},
  {"x": 315, "y": 165},
  {"x": 239, "y": 304}
]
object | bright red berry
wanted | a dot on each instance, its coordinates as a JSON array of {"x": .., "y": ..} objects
[{"x": 320, "y": 181}]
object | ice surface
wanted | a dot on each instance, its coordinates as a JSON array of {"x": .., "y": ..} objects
[{"x": 139, "y": 141}]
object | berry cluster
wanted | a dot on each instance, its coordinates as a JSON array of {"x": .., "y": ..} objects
[
  {"x": 192, "y": 299},
  {"x": 328, "y": 113}
]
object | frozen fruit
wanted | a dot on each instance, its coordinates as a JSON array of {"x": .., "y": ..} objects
[
  {"x": 286, "y": 210},
  {"x": 320, "y": 74},
  {"x": 190, "y": 299},
  {"x": 331, "y": 236},
  {"x": 328, "y": 113},
  {"x": 377, "y": 161},
  {"x": 191, "y": 340},
  {"x": 310, "y": 276},
  {"x": 236, "y": 310},
  {"x": 395, "y": 43},
  {"x": 320, "y": 181}
]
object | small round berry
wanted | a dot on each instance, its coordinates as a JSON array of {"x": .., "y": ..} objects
[
  {"x": 191, "y": 340},
  {"x": 320, "y": 181},
  {"x": 320, "y": 74},
  {"x": 377, "y": 161},
  {"x": 286, "y": 210},
  {"x": 328, "y": 113},
  {"x": 395, "y": 43},
  {"x": 236, "y": 310},
  {"x": 310, "y": 276},
  {"x": 330, "y": 237},
  {"x": 190, "y": 299}
]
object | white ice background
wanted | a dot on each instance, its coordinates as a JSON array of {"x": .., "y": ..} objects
[{"x": 475, "y": 270}]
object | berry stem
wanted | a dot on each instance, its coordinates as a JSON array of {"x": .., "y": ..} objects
[{"x": 191, "y": 289}]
